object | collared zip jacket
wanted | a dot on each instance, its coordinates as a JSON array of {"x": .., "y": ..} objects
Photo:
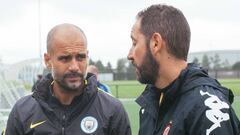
[
  {"x": 194, "y": 104},
  {"x": 94, "y": 112}
]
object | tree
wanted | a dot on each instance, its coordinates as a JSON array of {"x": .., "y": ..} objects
[
  {"x": 109, "y": 69},
  {"x": 205, "y": 61},
  {"x": 121, "y": 65},
  {"x": 131, "y": 71},
  {"x": 100, "y": 66},
  {"x": 216, "y": 64},
  {"x": 196, "y": 61},
  {"x": 91, "y": 62},
  {"x": 236, "y": 67},
  {"x": 121, "y": 69},
  {"x": 225, "y": 65}
]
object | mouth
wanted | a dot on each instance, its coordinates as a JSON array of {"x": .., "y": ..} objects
[
  {"x": 134, "y": 64},
  {"x": 73, "y": 79}
]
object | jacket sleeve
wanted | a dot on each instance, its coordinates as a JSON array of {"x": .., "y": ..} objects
[
  {"x": 213, "y": 115},
  {"x": 14, "y": 126},
  {"x": 120, "y": 124}
]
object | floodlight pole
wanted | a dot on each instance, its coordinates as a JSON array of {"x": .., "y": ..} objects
[{"x": 39, "y": 32}]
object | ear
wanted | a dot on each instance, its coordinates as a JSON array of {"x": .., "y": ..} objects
[
  {"x": 156, "y": 43},
  {"x": 87, "y": 54},
  {"x": 47, "y": 60}
]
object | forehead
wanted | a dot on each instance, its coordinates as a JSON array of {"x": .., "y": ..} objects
[
  {"x": 135, "y": 32},
  {"x": 71, "y": 42}
]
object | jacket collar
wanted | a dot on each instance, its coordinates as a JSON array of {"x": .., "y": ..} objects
[
  {"x": 151, "y": 95},
  {"x": 43, "y": 90}
]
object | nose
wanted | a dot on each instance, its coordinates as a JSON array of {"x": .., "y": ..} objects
[
  {"x": 130, "y": 55},
  {"x": 74, "y": 65}
]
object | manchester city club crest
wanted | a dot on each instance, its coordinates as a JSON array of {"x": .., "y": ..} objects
[{"x": 89, "y": 124}]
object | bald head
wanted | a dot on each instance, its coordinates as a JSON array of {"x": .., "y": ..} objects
[
  {"x": 92, "y": 69},
  {"x": 64, "y": 32}
]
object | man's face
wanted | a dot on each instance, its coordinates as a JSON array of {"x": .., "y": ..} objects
[
  {"x": 142, "y": 59},
  {"x": 68, "y": 60}
]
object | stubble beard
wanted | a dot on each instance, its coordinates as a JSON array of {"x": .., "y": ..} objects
[
  {"x": 70, "y": 87},
  {"x": 148, "y": 69}
]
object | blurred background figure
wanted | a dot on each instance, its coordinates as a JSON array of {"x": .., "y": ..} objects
[
  {"x": 39, "y": 77},
  {"x": 94, "y": 70}
]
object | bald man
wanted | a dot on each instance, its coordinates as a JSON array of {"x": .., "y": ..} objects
[
  {"x": 94, "y": 70},
  {"x": 68, "y": 103}
]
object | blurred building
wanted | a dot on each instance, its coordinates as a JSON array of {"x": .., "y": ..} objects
[
  {"x": 25, "y": 71},
  {"x": 232, "y": 56}
]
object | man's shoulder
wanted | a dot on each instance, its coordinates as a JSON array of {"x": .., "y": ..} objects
[
  {"x": 25, "y": 103},
  {"x": 201, "y": 98},
  {"x": 108, "y": 99},
  {"x": 205, "y": 104},
  {"x": 103, "y": 87},
  {"x": 25, "y": 99}
]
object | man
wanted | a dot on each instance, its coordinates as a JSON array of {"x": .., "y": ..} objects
[
  {"x": 180, "y": 98},
  {"x": 93, "y": 70},
  {"x": 68, "y": 103}
]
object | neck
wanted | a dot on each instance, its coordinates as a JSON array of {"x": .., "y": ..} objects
[
  {"x": 65, "y": 97},
  {"x": 169, "y": 72}
]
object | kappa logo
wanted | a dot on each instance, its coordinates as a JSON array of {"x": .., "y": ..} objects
[
  {"x": 36, "y": 124},
  {"x": 214, "y": 114},
  {"x": 89, "y": 124}
]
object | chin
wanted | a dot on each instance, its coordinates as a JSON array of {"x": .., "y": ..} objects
[{"x": 74, "y": 85}]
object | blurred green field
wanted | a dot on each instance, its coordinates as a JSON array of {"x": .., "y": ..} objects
[
  {"x": 233, "y": 84},
  {"x": 127, "y": 91},
  {"x": 132, "y": 89}
]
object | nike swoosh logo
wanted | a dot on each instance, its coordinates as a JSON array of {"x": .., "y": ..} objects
[{"x": 37, "y": 124}]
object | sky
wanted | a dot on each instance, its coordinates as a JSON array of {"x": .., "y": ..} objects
[{"x": 24, "y": 24}]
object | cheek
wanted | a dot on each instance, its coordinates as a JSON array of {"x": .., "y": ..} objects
[
  {"x": 83, "y": 67},
  {"x": 58, "y": 69},
  {"x": 139, "y": 54},
  {"x": 55, "y": 72}
]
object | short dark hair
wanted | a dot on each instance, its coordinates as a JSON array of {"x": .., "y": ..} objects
[
  {"x": 171, "y": 24},
  {"x": 54, "y": 30}
]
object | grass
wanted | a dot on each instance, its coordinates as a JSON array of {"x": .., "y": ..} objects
[
  {"x": 132, "y": 109},
  {"x": 236, "y": 106},
  {"x": 126, "y": 89},
  {"x": 233, "y": 84},
  {"x": 132, "y": 89}
]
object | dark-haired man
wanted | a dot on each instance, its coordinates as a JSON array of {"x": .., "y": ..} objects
[{"x": 180, "y": 98}]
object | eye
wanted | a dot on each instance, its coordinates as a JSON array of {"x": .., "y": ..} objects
[
  {"x": 133, "y": 43},
  {"x": 81, "y": 57},
  {"x": 65, "y": 58}
]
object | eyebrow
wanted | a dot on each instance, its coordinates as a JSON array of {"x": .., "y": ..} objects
[
  {"x": 82, "y": 55},
  {"x": 64, "y": 56},
  {"x": 133, "y": 38}
]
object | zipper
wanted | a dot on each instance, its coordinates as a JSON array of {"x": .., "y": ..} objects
[
  {"x": 160, "y": 113},
  {"x": 63, "y": 129},
  {"x": 63, "y": 124},
  {"x": 161, "y": 98}
]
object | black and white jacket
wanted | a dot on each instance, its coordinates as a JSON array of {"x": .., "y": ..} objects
[{"x": 194, "y": 104}]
